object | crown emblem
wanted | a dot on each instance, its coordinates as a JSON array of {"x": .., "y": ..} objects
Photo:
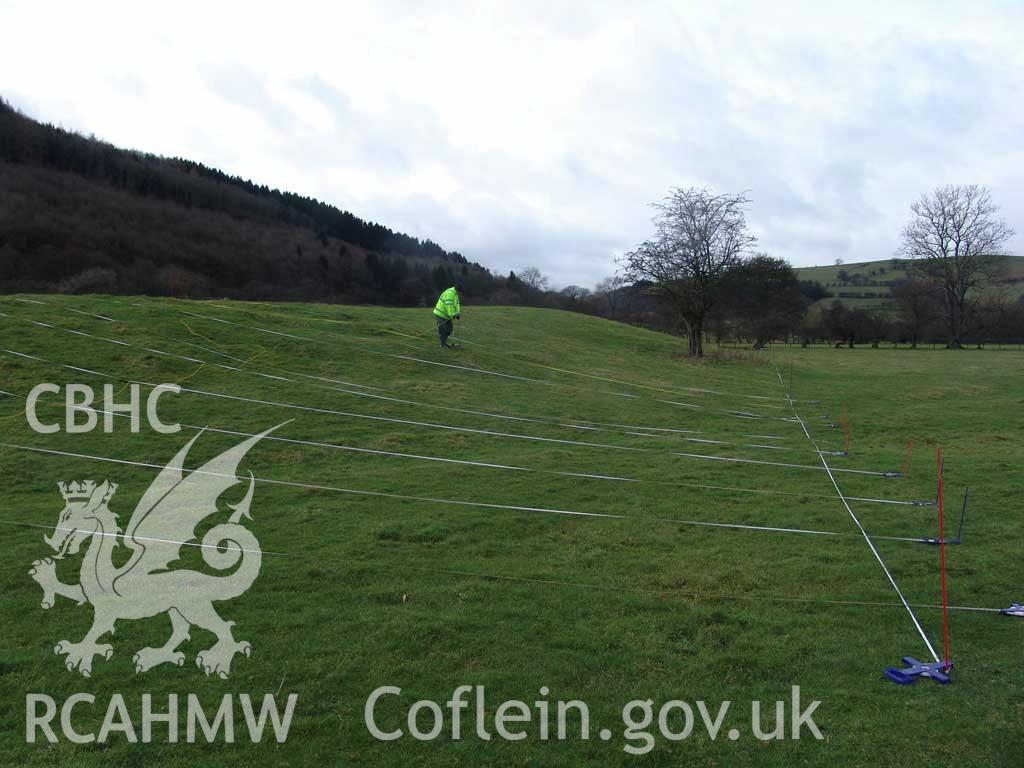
[{"x": 77, "y": 492}]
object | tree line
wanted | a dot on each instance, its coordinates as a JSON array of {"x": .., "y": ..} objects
[
  {"x": 80, "y": 215},
  {"x": 704, "y": 278},
  {"x": 194, "y": 185}
]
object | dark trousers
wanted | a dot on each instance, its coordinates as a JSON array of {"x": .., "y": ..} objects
[{"x": 444, "y": 330}]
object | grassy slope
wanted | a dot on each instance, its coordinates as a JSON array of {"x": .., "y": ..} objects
[
  {"x": 365, "y": 593},
  {"x": 828, "y": 275}
]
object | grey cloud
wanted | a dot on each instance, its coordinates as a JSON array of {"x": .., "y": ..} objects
[
  {"x": 238, "y": 85},
  {"x": 407, "y": 133},
  {"x": 832, "y": 157}
]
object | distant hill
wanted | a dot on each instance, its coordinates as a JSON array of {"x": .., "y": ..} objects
[
  {"x": 867, "y": 284},
  {"x": 79, "y": 214}
]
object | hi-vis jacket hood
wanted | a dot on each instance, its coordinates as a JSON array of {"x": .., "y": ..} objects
[{"x": 448, "y": 304}]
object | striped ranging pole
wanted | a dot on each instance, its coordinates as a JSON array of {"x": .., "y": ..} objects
[{"x": 942, "y": 567}]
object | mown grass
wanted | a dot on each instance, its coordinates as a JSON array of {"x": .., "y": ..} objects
[{"x": 370, "y": 591}]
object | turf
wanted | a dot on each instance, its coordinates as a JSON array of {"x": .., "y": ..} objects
[{"x": 425, "y": 594}]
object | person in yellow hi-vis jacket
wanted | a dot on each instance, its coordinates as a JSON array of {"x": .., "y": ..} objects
[{"x": 446, "y": 310}]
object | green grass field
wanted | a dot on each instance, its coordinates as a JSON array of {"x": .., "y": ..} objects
[{"x": 359, "y": 591}]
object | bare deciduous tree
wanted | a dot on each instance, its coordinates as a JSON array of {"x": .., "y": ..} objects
[
  {"x": 760, "y": 300},
  {"x": 956, "y": 239},
  {"x": 532, "y": 278},
  {"x": 575, "y": 293},
  {"x": 698, "y": 238},
  {"x": 918, "y": 303},
  {"x": 609, "y": 289}
]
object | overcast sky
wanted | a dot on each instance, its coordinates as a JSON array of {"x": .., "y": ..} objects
[{"x": 538, "y": 133}]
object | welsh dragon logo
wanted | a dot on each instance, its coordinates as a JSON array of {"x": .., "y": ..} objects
[{"x": 164, "y": 521}]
